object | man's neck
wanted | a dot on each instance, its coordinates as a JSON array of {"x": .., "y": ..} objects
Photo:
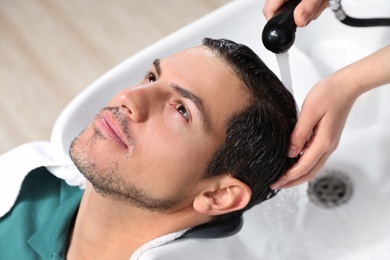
[{"x": 108, "y": 229}]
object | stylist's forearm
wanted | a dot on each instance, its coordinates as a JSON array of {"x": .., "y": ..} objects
[{"x": 367, "y": 73}]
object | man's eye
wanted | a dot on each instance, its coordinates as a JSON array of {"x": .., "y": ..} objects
[
  {"x": 183, "y": 110},
  {"x": 151, "y": 77}
]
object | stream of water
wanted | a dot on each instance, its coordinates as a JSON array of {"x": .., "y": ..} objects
[{"x": 285, "y": 71}]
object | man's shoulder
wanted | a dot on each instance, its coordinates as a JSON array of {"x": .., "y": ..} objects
[{"x": 45, "y": 206}]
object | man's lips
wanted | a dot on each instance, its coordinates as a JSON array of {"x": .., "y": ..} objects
[{"x": 111, "y": 129}]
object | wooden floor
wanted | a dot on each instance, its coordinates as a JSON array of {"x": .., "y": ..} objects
[{"x": 51, "y": 49}]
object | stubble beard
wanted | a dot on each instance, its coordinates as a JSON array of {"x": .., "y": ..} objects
[{"x": 108, "y": 181}]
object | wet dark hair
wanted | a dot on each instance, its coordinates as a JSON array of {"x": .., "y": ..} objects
[{"x": 257, "y": 138}]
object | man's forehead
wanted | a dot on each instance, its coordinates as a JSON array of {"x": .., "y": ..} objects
[
  {"x": 211, "y": 78},
  {"x": 200, "y": 51}
]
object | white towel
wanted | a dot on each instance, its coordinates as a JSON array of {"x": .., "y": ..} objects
[
  {"x": 18, "y": 162},
  {"x": 156, "y": 243}
]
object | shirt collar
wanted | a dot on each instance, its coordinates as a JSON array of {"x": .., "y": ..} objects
[{"x": 51, "y": 239}]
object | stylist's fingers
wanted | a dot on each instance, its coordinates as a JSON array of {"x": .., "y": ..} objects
[
  {"x": 307, "y": 121},
  {"x": 309, "y": 10},
  {"x": 271, "y": 6},
  {"x": 324, "y": 4},
  {"x": 305, "y": 165},
  {"x": 297, "y": 179},
  {"x": 320, "y": 146}
]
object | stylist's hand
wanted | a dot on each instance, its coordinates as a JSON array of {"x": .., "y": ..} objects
[
  {"x": 306, "y": 10},
  {"x": 318, "y": 130}
]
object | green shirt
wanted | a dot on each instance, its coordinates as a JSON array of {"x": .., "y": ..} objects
[{"x": 38, "y": 225}]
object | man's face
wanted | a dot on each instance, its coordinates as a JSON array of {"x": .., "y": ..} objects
[{"x": 152, "y": 143}]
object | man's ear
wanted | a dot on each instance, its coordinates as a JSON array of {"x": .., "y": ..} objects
[{"x": 223, "y": 194}]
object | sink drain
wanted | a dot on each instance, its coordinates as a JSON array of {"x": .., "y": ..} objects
[{"x": 330, "y": 190}]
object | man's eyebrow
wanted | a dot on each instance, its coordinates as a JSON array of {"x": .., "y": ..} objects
[
  {"x": 156, "y": 64},
  {"x": 185, "y": 93}
]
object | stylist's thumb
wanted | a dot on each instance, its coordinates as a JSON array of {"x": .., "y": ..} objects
[{"x": 301, "y": 133}]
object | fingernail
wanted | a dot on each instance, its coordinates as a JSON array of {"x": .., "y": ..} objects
[
  {"x": 305, "y": 19},
  {"x": 292, "y": 151},
  {"x": 278, "y": 184},
  {"x": 277, "y": 187}
]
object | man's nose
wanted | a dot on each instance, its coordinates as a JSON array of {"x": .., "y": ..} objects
[{"x": 139, "y": 102}]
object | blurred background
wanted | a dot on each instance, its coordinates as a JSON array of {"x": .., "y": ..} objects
[{"x": 50, "y": 50}]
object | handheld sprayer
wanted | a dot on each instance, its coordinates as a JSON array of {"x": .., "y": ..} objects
[{"x": 279, "y": 32}]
